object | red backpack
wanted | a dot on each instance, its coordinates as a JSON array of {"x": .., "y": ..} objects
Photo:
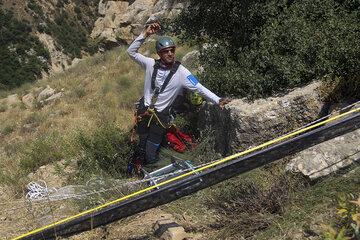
[{"x": 180, "y": 140}]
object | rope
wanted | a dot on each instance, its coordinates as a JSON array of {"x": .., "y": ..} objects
[
  {"x": 133, "y": 126},
  {"x": 72, "y": 196},
  {"x": 38, "y": 192},
  {"x": 84, "y": 195},
  {"x": 192, "y": 172},
  {"x": 152, "y": 111}
]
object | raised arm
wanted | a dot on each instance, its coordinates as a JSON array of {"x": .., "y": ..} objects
[
  {"x": 152, "y": 29},
  {"x": 134, "y": 47}
]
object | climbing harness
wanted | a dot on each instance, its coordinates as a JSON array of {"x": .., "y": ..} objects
[{"x": 151, "y": 111}]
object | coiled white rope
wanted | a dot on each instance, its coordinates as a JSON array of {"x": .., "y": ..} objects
[{"x": 38, "y": 192}]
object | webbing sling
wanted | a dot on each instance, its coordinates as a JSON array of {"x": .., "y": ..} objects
[{"x": 166, "y": 82}]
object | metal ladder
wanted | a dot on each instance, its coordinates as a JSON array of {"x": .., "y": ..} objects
[{"x": 177, "y": 167}]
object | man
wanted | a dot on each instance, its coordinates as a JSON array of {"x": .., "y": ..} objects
[{"x": 164, "y": 80}]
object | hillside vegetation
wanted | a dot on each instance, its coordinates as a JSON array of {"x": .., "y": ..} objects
[
  {"x": 80, "y": 133},
  {"x": 98, "y": 96},
  {"x": 85, "y": 134},
  {"x": 23, "y": 56},
  {"x": 256, "y": 49}
]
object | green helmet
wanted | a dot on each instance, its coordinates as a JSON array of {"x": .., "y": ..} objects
[{"x": 164, "y": 42}]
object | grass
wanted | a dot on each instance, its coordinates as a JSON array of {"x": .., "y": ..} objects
[
  {"x": 91, "y": 97},
  {"x": 99, "y": 89},
  {"x": 314, "y": 205},
  {"x": 265, "y": 203}
]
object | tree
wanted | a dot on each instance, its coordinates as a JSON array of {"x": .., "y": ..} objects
[{"x": 258, "y": 48}]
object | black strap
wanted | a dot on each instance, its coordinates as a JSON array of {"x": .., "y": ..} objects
[
  {"x": 167, "y": 80},
  {"x": 153, "y": 77}
]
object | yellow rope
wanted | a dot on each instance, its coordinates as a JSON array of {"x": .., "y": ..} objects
[
  {"x": 189, "y": 173},
  {"x": 152, "y": 111},
  {"x": 150, "y": 120}
]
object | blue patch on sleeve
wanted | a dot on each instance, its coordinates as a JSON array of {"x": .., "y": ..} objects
[{"x": 192, "y": 79}]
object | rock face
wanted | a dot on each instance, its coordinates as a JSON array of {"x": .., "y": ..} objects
[
  {"x": 242, "y": 124},
  {"x": 329, "y": 156},
  {"x": 107, "y": 25},
  {"x": 122, "y": 21},
  {"x": 58, "y": 57}
]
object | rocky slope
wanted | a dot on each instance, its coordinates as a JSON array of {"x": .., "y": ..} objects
[
  {"x": 121, "y": 21},
  {"x": 103, "y": 24}
]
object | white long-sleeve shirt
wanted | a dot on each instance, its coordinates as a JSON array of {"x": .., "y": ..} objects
[{"x": 181, "y": 79}]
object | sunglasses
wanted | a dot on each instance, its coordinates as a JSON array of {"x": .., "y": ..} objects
[{"x": 172, "y": 50}]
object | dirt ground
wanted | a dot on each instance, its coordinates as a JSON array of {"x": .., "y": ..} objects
[{"x": 26, "y": 217}]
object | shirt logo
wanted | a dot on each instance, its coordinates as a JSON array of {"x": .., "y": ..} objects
[{"x": 192, "y": 79}]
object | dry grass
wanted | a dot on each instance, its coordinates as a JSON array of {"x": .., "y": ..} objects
[{"x": 99, "y": 89}]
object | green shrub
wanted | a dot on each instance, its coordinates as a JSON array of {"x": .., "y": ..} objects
[
  {"x": 21, "y": 52},
  {"x": 70, "y": 29},
  {"x": 104, "y": 151},
  {"x": 8, "y": 129},
  {"x": 257, "y": 49},
  {"x": 80, "y": 92},
  {"x": 350, "y": 225},
  {"x": 72, "y": 34},
  {"x": 334, "y": 88},
  {"x": 124, "y": 81},
  {"x": 33, "y": 118},
  {"x": 36, "y": 8},
  {"x": 43, "y": 150},
  {"x": 93, "y": 45},
  {"x": 3, "y": 107},
  {"x": 107, "y": 87}
]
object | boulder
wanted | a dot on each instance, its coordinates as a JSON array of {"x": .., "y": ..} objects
[
  {"x": 329, "y": 156},
  {"x": 53, "y": 98},
  {"x": 28, "y": 100},
  {"x": 13, "y": 99},
  {"x": 244, "y": 124},
  {"x": 167, "y": 229},
  {"x": 46, "y": 93},
  {"x": 191, "y": 59}
]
